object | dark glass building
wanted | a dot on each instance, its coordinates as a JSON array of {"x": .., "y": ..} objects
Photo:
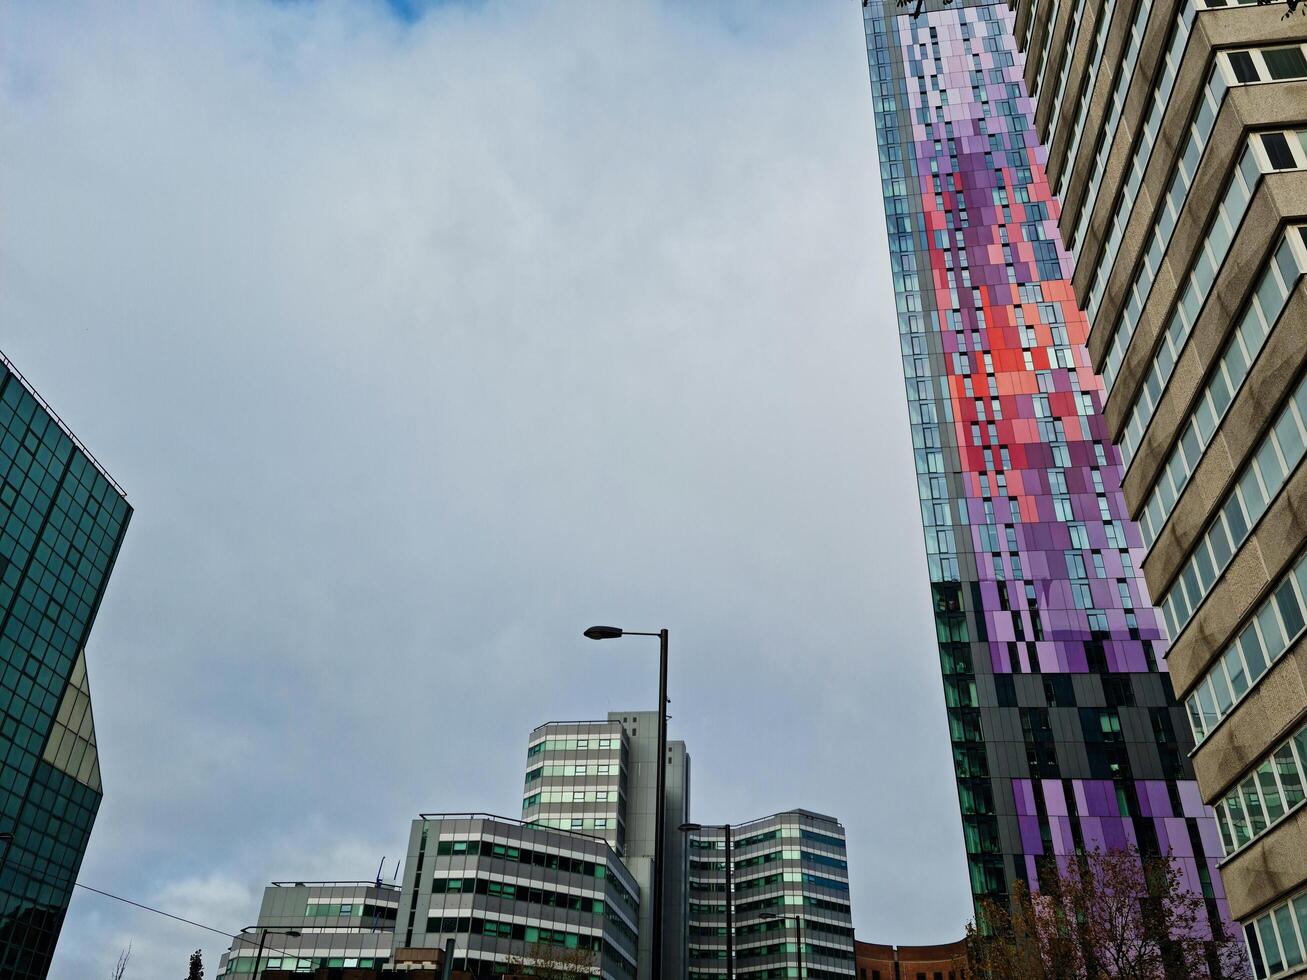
[
  {"x": 1066, "y": 734},
  {"x": 62, "y": 520}
]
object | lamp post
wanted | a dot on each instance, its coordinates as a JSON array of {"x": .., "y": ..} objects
[
  {"x": 798, "y": 925},
  {"x": 660, "y": 804},
  {"x": 264, "y": 932},
  {"x": 690, "y": 828}
]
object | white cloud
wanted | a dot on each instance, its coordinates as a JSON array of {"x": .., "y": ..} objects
[{"x": 420, "y": 348}]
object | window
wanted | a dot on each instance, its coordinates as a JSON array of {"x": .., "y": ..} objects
[
  {"x": 1271, "y": 792},
  {"x": 1275, "y": 939},
  {"x": 1276, "y": 457},
  {"x": 1277, "y": 151},
  {"x": 1244, "y": 69},
  {"x": 1262, "y": 641},
  {"x": 1285, "y": 62}
]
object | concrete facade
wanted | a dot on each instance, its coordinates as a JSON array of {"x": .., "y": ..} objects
[{"x": 1183, "y": 205}]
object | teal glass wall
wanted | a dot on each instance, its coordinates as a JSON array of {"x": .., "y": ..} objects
[{"x": 62, "y": 521}]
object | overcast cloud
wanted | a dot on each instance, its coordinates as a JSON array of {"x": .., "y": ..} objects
[{"x": 421, "y": 345}]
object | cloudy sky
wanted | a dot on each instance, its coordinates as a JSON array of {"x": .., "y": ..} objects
[{"x": 423, "y": 338}]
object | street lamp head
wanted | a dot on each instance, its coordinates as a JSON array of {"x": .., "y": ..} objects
[
  {"x": 690, "y": 828},
  {"x": 603, "y": 632},
  {"x": 769, "y": 915},
  {"x": 293, "y": 933}
]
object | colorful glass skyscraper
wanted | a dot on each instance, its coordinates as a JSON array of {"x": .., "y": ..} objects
[
  {"x": 1066, "y": 735},
  {"x": 62, "y": 520}
]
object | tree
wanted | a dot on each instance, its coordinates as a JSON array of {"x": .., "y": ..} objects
[
  {"x": 120, "y": 968},
  {"x": 1107, "y": 915},
  {"x": 196, "y": 971},
  {"x": 551, "y": 962}
]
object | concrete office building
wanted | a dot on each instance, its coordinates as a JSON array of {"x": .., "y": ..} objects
[
  {"x": 790, "y": 898},
  {"x": 507, "y": 892},
  {"x": 62, "y": 521},
  {"x": 342, "y": 924},
  {"x": 600, "y": 778},
  {"x": 1176, "y": 141}
]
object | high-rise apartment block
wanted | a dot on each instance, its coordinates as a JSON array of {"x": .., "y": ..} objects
[
  {"x": 1177, "y": 135},
  {"x": 1066, "y": 734},
  {"x": 341, "y": 924},
  {"x": 62, "y": 520},
  {"x": 789, "y": 898}
]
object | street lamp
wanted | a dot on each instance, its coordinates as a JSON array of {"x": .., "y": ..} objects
[
  {"x": 691, "y": 828},
  {"x": 264, "y": 932},
  {"x": 660, "y": 804},
  {"x": 798, "y": 925}
]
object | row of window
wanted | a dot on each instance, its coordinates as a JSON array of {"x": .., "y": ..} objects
[
  {"x": 772, "y": 857},
  {"x": 577, "y": 823},
  {"x": 245, "y": 963},
  {"x": 1186, "y": 169},
  {"x": 1086, "y": 89},
  {"x": 1277, "y": 939},
  {"x": 1252, "y": 164},
  {"x": 570, "y": 796},
  {"x": 1141, "y": 154},
  {"x": 760, "y": 950},
  {"x": 574, "y": 769},
  {"x": 1274, "y": 460},
  {"x": 317, "y": 910},
  {"x": 1273, "y": 628},
  {"x": 517, "y": 893},
  {"x": 572, "y": 745},
  {"x": 819, "y": 881},
  {"x": 522, "y": 855},
  {"x": 1077, "y": 22},
  {"x": 1265, "y": 153},
  {"x": 1270, "y": 295},
  {"x": 1254, "y": 65},
  {"x": 477, "y": 926},
  {"x": 1197, "y": 285},
  {"x": 788, "y": 831},
  {"x": 807, "y": 901},
  {"x": 1271, "y": 792},
  {"x": 1043, "y": 48}
]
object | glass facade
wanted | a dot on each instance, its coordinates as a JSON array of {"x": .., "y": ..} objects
[
  {"x": 62, "y": 521},
  {"x": 789, "y": 899},
  {"x": 1066, "y": 736}
]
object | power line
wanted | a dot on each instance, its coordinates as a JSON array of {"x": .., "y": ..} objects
[
  {"x": 30, "y": 873},
  {"x": 148, "y": 908},
  {"x": 189, "y": 922}
]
